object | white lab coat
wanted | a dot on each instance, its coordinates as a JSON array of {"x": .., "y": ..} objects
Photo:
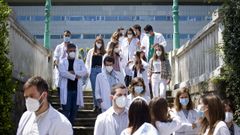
[
  {"x": 128, "y": 50},
  {"x": 144, "y": 129},
  {"x": 58, "y": 55},
  {"x": 220, "y": 129},
  {"x": 79, "y": 69},
  {"x": 167, "y": 128},
  {"x": 158, "y": 38},
  {"x": 88, "y": 62},
  {"x": 144, "y": 75},
  {"x": 53, "y": 123},
  {"x": 236, "y": 129},
  {"x": 187, "y": 129},
  {"x": 103, "y": 89}
]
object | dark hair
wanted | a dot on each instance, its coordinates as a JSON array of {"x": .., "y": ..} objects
[
  {"x": 148, "y": 28},
  {"x": 162, "y": 56},
  {"x": 138, "y": 114},
  {"x": 108, "y": 59},
  {"x": 137, "y": 26},
  {"x": 215, "y": 111},
  {"x": 130, "y": 29},
  {"x": 134, "y": 82},
  {"x": 70, "y": 46},
  {"x": 177, "y": 104},
  {"x": 37, "y": 81},
  {"x": 117, "y": 86},
  {"x": 111, "y": 47},
  {"x": 230, "y": 104},
  {"x": 102, "y": 49},
  {"x": 119, "y": 29},
  {"x": 67, "y": 31},
  {"x": 138, "y": 61},
  {"x": 159, "y": 110}
]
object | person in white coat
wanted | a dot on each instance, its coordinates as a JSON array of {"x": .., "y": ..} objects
[
  {"x": 94, "y": 65},
  {"x": 104, "y": 83},
  {"x": 41, "y": 118},
  {"x": 137, "y": 88},
  {"x": 229, "y": 112},
  {"x": 159, "y": 71},
  {"x": 60, "y": 53},
  {"x": 162, "y": 118},
  {"x": 72, "y": 70},
  {"x": 153, "y": 38},
  {"x": 185, "y": 110},
  {"x": 115, "y": 119},
  {"x": 214, "y": 116},
  {"x": 139, "y": 119}
]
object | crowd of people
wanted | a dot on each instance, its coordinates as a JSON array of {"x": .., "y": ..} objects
[{"x": 129, "y": 78}]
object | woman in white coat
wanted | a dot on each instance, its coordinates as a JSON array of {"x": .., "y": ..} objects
[
  {"x": 184, "y": 110},
  {"x": 94, "y": 64},
  {"x": 137, "y": 88},
  {"x": 162, "y": 118},
  {"x": 229, "y": 112},
  {"x": 72, "y": 70},
  {"x": 214, "y": 115},
  {"x": 137, "y": 68}
]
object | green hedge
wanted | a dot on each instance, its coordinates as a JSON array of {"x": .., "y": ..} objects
[
  {"x": 231, "y": 37},
  {"x": 6, "y": 83}
]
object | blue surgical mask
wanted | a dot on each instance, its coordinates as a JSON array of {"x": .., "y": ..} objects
[
  {"x": 138, "y": 89},
  {"x": 66, "y": 39},
  {"x": 184, "y": 101},
  {"x": 200, "y": 113}
]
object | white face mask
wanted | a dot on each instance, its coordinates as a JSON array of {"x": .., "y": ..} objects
[
  {"x": 158, "y": 53},
  {"x": 121, "y": 101},
  {"x": 32, "y": 104},
  {"x": 130, "y": 35},
  {"x": 228, "y": 117},
  {"x": 138, "y": 89},
  {"x": 148, "y": 34},
  {"x": 66, "y": 39},
  {"x": 109, "y": 69},
  {"x": 121, "y": 38},
  {"x": 116, "y": 50},
  {"x": 98, "y": 45},
  {"x": 72, "y": 55}
]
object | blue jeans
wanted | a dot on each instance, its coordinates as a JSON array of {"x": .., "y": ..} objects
[
  {"x": 71, "y": 108},
  {"x": 93, "y": 76}
]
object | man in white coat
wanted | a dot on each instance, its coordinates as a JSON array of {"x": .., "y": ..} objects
[
  {"x": 104, "y": 83},
  {"x": 60, "y": 53},
  {"x": 153, "y": 38},
  {"x": 41, "y": 118},
  {"x": 72, "y": 71},
  {"x": 115, "y": 119}
]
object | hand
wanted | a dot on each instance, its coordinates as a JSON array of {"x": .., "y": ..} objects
[{"x": 194, "y": 125}]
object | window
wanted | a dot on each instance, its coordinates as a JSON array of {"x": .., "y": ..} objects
[
  {"x": 57, "y": 18},
  {"x": 75, "y": 36},
  {"x": 37, "y": 18},
  {"x": 23, "y": 18},
  {"x": 107, "y": 36},
  {"x": 39, "y": 36},
  {"x": 88, "y": 36},
  {"x": 125, "y": 18},
  {"x": 89, "y": 18},
  {"x": 183, "y": 36},
  {"x": 160, "y": 18},
  {"x": 146, "y": 18},
  {"x": 75, "y": 18},
  {"x": 55, "y": 36},
  {"x": 183, "y": 18},
  {"x": 111, "y": 18}
]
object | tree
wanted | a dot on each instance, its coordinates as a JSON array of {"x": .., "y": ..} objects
[
  {"x": 231, "y": 48},
  {"x": 6, "y": 82}
]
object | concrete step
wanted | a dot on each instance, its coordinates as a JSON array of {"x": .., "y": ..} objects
[
  {"x": 82, "y": 130},
  {"x": 85, "y": 121},
  {"x": 87, "y": 106},
  {"x": 56, "y": 98}
]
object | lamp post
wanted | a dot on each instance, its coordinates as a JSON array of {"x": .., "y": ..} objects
[
  {"x": 47, "y": 23},
  {"x": 176, "y": 40}
]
